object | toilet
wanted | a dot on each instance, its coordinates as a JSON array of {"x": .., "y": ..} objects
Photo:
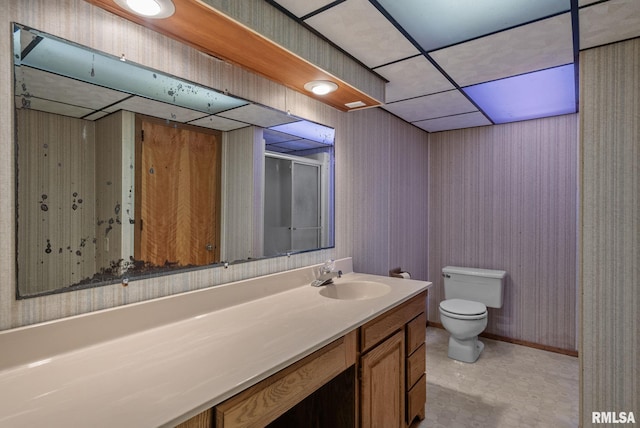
[{"x": 468, "y": 292}]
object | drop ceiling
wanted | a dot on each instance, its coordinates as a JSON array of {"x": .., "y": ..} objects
[
  {"x": 465, "y": 63},
  {"x": 447, "y": 64}
]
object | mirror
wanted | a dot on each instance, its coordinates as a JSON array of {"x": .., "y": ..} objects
[{"x": 124, "y": 172}]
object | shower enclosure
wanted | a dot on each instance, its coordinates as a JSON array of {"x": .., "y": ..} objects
[{"x": 293, "y": 201}]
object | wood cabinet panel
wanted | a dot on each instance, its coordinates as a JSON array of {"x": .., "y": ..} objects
[
  {"x": 416, "y": 400},
  {"x": 201, "y": 420},
  {"x": 382, "y": 386},
  {"x": 416, "y": 365},
  {"x": 332, "y": 406},
  {"x": 416, "y": 332},
  {"x": 381, "y": 327},
  {"x": 269, "y": 399}
]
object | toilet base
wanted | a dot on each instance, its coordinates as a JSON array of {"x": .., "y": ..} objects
[{"x": 467, "y": 350}]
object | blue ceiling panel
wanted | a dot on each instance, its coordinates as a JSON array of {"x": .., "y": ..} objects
[
  {"x": 435, "y": 24},
  {"x": 534, "y": 95},
  {"x": 308, "y": 130}
]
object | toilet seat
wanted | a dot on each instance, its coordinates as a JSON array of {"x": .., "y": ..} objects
[{"x": 463, "y": 309}]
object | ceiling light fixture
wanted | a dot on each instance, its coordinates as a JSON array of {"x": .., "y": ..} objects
[
  {"x": 320, "y": 87},
  {"x": 156, "y": 9}
]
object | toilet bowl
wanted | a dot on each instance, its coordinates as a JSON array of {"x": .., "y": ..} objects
[
  {"x": 463, "y": 313},
  {"x": 464, "y": 320}
]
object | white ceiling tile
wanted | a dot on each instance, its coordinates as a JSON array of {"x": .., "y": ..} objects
[
  {"x": 51, "y": 107},
  {"x": 412, "y": 78},
  {"x": 609, "y": 22},
  {"x": 361, "y": 30},
  {"x": 431, "y": 106},
  {"x": 542, "y": 44},
  {"x": 97, "y": 115},
  {"x": 258, "y": 115},
  {"x": 219, "y": 123},
  {"x": 467, "y": 120},
  {"x": 157, "y": 109},
  {"x": 54, "y": 87},
  {"x": 303, "y": 8}
]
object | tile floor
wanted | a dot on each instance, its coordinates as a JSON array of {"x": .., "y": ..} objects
[{"x": 509, "y": 386}]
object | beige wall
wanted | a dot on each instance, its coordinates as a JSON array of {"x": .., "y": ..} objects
[{"x": 610, "y": 230}]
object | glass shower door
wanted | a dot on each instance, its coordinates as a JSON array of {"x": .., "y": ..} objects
[
  {"x": 292, "y": 206},
  {"x": 305, "y": 212}
]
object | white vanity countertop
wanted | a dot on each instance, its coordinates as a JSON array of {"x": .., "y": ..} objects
[{"x": 162, "y": 376}]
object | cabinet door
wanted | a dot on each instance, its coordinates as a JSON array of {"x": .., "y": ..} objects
[{"x": 382, "y": 386}]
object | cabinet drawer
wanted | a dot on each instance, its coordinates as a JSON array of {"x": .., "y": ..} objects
[
  {"x": 383, "y": 326},
  {"x": 416, "y": 400},
  {"x": 416, "y": 364},
  {"x": 416, "y": 332}
]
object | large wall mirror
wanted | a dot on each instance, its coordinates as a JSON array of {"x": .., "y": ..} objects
[{"x": 124, "y": 172}]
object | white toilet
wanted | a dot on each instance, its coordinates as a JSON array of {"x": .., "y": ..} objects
[{"x": 463, "y": 313}]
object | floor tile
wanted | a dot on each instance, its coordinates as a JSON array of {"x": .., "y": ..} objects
[{"x": 509, "y": 386}]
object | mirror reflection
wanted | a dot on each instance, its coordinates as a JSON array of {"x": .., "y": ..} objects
[{"x": 124, "y": 172}]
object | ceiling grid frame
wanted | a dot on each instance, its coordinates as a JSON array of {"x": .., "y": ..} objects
[{"x": 571, "y": 12}]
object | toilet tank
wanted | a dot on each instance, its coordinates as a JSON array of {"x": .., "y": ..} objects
[{"x": 479, "y": 285}]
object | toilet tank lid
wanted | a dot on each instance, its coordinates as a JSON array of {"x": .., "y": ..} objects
[{"x": 489, "y": 273}]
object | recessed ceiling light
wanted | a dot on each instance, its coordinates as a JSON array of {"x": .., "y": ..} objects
[
  {"x": 156, "y": 9},
  {"x": 320, "y": 87}
]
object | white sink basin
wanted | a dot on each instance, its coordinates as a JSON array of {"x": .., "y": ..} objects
[{"x": 354, "y": 290}]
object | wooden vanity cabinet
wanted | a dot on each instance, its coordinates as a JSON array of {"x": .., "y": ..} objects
[
  {"x": 392, "y": 366},
  {"x": 388, "y": 354}
]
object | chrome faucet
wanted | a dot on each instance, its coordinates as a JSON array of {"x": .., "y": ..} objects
[{"x": 327, "y": 274}]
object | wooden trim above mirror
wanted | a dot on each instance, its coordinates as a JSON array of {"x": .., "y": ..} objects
[{"x": 208, "y": 30}]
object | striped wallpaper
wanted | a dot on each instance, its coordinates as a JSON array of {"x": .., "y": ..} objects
[
  {"x": 381, "y": 193},
  {"x": 610, "y": 230},
  {"x": 504, "y": 197},
  {"x": 57, "y": 174}
]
